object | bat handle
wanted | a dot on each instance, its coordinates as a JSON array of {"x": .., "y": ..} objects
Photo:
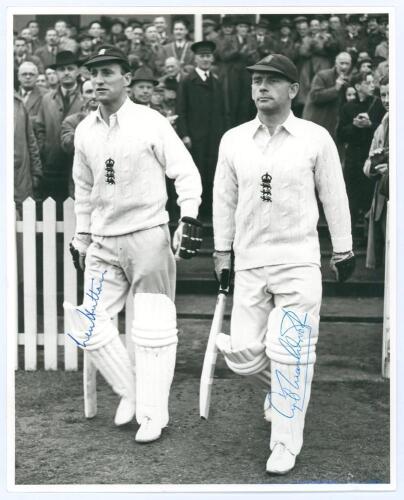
[{"x": 224, "y": 284}]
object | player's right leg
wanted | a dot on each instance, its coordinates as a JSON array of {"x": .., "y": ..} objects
[
  {"x": 244, "y": 349},
  {"x": 91, "y": 327}
]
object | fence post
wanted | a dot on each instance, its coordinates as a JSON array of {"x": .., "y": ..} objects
[
  {"x": 50, "y": 285},
  {"x": 386, "y": 311},
  {"x": 70, "y": 279},
  {"x": 30, "y": 288},
  {"x": 15, "y": 279}
]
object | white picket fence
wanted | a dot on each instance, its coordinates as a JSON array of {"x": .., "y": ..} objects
[{"x": 50, "y": 338}]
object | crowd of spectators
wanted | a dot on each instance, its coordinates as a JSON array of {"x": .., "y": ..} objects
[{"x": 203, "y": 90}]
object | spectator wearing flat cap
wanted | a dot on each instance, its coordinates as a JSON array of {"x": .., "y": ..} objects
[
  {"x": 354, "y": 41},
  {"x": 234, "y": 52},
  {"x": 201, "y": 117},
  {"x": 86, "y": 49},
  {"x": 285, "y": 41},
  {"x": 210, "y": 30},
  {"x": 263, "y": 40},
  {"x": 56, "y": 105}
]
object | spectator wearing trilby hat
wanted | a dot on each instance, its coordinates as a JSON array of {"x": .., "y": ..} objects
[
  {"x": 65, "y": 100},
  {"x": 143, "y": 84},
  {"x": 201, "y": 116}
]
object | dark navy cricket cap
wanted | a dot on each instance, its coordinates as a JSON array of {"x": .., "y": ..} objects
[
  {"x": 276, "y": 63},
  {"x": 107, "y": 53}
]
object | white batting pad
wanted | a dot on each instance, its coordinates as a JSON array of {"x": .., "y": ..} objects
[
  {"x": 112, "y": 360},
  {"x": 154, "y": 335},
  {"x": 291, "y": 344},
  {"x": 88, "y": 329},
  {"x": 247, "y": 361}
]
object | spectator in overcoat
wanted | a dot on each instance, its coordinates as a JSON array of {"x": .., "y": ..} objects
[
  {"x": 56, "y": 105},
  {"x": 327, "y": 94},
  {"x": 201, "y": 117},
  {"x": 27, "y": 162}
]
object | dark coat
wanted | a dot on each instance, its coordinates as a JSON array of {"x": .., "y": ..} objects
[
  {"x": 57, "y": 164},
  {"x": 324, "y": 101},
  {"x": 45, "y": 56},
  {"x": 232, "y": 59},
  {"x": 201, "y": 116},
  {"x": 27, "y": 163}
]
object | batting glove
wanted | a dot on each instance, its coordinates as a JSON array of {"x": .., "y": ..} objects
[
  {"x": 222, "y": 261},
  {"x": 78, "y": 248},
  {"x": 187, "y": 239},
  {"x": 343, "y": 265}
]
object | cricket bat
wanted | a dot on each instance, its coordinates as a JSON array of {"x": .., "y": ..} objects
[
  {"x": 209, "y": 362},
  {"x": 89, "y": 386}
]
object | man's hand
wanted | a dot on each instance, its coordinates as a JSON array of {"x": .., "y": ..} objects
[
  {"x": 362, "y": 120},
  {"x": 187, "y": 141},
  {"x": 222, "y": 261},
  {"x": 343, "y": 265},
  {"x": 381, "y": 168},
  {"x": 187, "y": 239},
  {"x": 340, "y": 81},
  {"x": 78, "y": 248}
]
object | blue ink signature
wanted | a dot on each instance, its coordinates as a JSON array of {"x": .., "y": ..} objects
[
  {"x": 291, "y": 337},
  {"x": 94, "y": 294}
]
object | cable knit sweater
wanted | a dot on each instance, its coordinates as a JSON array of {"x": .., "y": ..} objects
[
  {"x": 144, "y": 148},
  {"x": 299, "y": 157}
]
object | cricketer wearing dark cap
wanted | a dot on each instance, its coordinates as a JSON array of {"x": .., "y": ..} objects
[
  {"x": 265, "y": 211},
  {"x": 123, "y": 153},
  {"x": 276, "y": 63}
]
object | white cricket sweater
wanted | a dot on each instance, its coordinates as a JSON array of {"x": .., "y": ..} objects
[
  {"x": 144, "y": 148},
  {"x": 300, "y": 157}
]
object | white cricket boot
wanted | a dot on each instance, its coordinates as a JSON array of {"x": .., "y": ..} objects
[
  {"x": 149, "y": 430},
  {"x": 125, "y": 412},
  {"x": 281, "y": 460}
]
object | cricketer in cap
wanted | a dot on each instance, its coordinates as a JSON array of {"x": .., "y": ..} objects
[
  {"x": 265, "y": 209},
  {"x": 123, "y": 153}
]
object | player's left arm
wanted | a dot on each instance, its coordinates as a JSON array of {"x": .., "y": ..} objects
[
  {"x": 178, "y": 165},
  {"x": 330, "y": 185}
]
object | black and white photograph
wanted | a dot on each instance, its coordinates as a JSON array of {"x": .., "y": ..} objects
[{"x": 201, "y": 266}]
